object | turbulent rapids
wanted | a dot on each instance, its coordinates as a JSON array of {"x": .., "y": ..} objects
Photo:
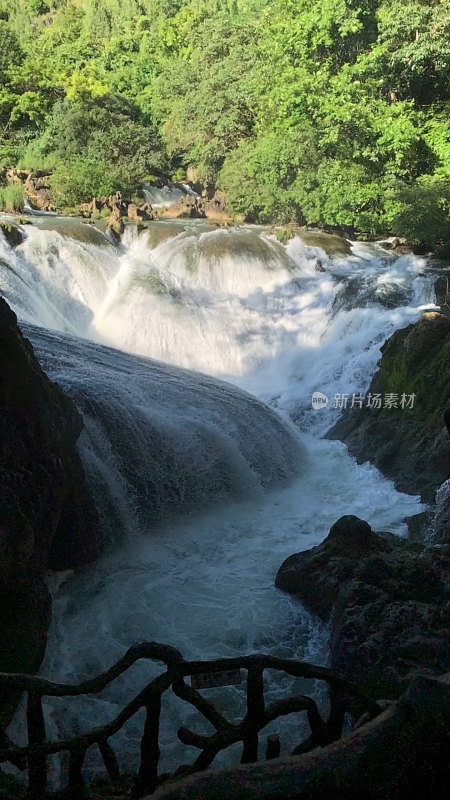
[{"x": 192, "y": 353}]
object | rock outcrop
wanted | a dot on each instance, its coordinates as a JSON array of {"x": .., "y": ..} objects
[
  {"x": 409, "y": 445},
  {"x": 141, "y": 213},
  {"x": 47, "y": 517},
  {"x": 37, "y": 185},
  {"x": 11, "y": 232},
  {"x": 388, "y": 600},
  {"x": 187, "y": 207}
]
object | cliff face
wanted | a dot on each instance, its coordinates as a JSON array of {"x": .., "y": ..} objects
[
  {"x": 47, "y": 517},
  {"x": 409, "y": 445}
]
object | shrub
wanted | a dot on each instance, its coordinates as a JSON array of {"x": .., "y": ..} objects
[
  {"x": 12, "y": 198},
  {"x": 81, "y": 179}
]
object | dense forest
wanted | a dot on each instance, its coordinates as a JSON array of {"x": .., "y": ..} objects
[{"x": 324, "y": 112}]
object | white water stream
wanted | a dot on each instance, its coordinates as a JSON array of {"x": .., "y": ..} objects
[{"x": 203, "y": 490}]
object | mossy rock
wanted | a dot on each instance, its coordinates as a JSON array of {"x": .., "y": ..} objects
[
  {"x": 80, "y": 230},
  {"x": 408, "y": 444},
  {"x": 331, "y": 243}
]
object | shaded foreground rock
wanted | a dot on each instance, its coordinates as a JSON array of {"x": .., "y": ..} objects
[
  {"x": 400, "y": 754},
  {"x": 47, "y": 516},
  {"x": 390, "y": 604},
  {"x": 409, "y": 445}
]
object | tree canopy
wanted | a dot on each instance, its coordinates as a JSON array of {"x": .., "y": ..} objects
[{"x": 327, "y": 112}]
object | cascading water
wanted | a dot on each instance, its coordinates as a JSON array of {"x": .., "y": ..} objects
[
  {"x": 226, "y": 486},
  {"x": 166, "y": 196}
]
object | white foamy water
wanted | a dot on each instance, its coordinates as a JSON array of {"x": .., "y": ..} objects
[
  {"x": 203, "y": 489},
  {"x": 166, "y": 196}
]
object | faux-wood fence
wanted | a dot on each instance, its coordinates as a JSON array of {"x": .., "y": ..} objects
[{"x": 34, "y": 756}]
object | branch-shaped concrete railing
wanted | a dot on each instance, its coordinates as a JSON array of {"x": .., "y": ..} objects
[{"x": 34, "y": 756}]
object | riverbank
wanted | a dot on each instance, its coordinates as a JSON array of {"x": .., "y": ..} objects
[{"x": 163, "y": 199}]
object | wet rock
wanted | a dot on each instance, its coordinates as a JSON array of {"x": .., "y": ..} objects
[
  {"x": 331, "y": 243},
  {"x": 388, "y": 600},
  {"x": 357, "y": 292},
  {"x": 399, "y": 246},
  {"x": 442, "y": 291},
  {"x": 142, "y": 213},
  {"x": 12, "y": 233},
  {"x": 314, "y": 576},
  {"x": 440, "y": 523},
  {"x": 115, "y": 225},
  {"x": 47, "y": 516},
  {"x": 409, "y": 444},
  {"x": 348, "y": 296},
  {"x": 447, "y": 419},
  {"x": 418, "y": 526},
  {"x": 80, "y": 230}
]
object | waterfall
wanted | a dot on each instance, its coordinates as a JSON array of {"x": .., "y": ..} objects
[
  {"x": 193, "y": 353},
  {"x": 166, "y": 196},
  {"x": 173, "y": 440}
]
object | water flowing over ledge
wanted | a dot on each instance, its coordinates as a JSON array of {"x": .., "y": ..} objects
[{"x": 239, "y": 306}]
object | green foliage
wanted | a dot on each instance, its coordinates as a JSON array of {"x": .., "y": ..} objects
[
  {"x": 12, "y": 198},
  {"x": 94, "y": 141},
  {"x": 325, "y": 112},
  {"x": 424, "y": 217},
  {"x": 284, "y": 235},
  {"x": 37, "y": 7},
  {"x": 79, "y": 179}
]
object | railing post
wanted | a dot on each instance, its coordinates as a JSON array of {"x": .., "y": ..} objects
[
  {"x": 37, "y": 764},
  {"x": 255, "y": 713},
  {"x": 109, "y": 760},
  {"x": 150, "y": 753},
  {"x": 76, "y": 785},
  {"x": 273, "y": 747},
  {"x": 338, "y": 707}
]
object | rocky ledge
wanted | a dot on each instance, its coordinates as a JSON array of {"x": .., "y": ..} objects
[
  {"x": 409, "y": 445},
  {"x": 388, "y": 600},
  {"x": 47, "y": 517}
]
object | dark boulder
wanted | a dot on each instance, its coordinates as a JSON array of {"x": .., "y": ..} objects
[
  {"x": 388, "y": 599},
  {"x": 315, "y": 576},
  {"x": 47, "y": 517}
]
